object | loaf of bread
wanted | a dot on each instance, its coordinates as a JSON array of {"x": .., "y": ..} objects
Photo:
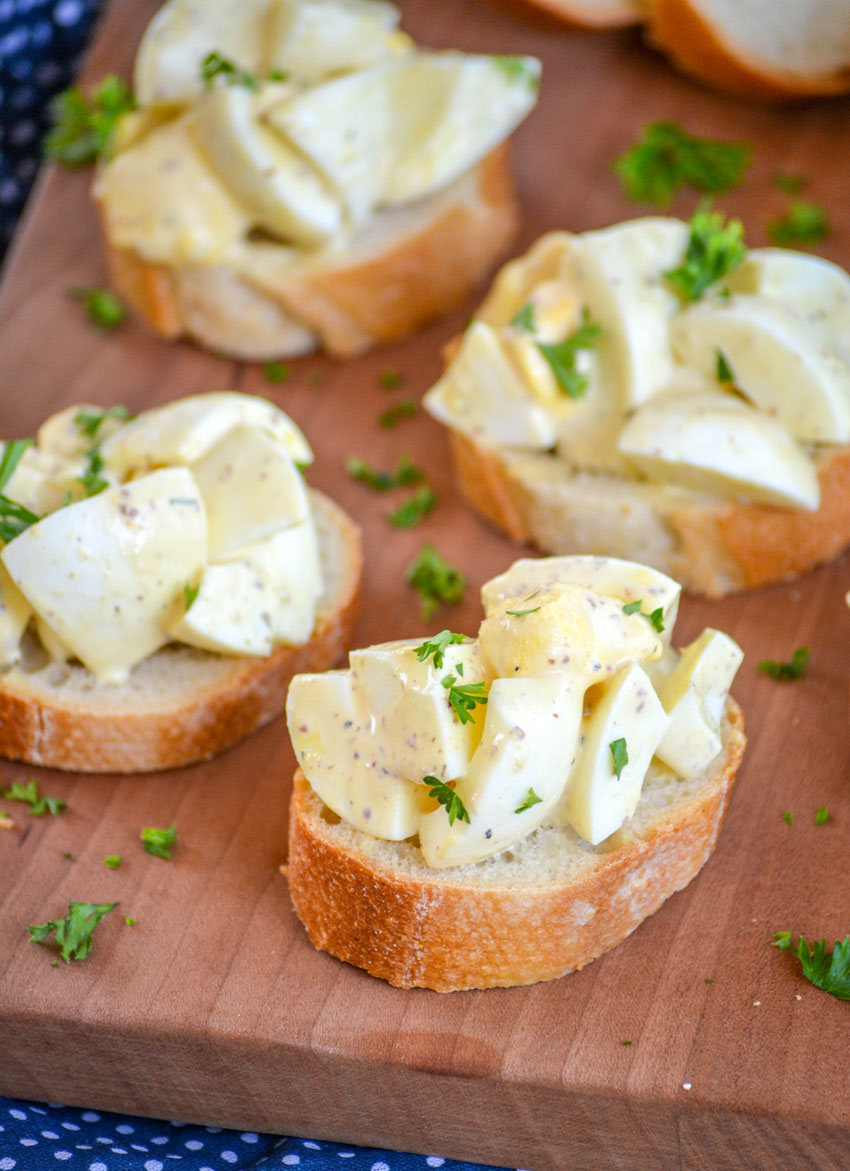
[
  {"x": 315, "y": 180},
  {"x": 595, "y": 408},
  {"x": 491, "y": 812}
]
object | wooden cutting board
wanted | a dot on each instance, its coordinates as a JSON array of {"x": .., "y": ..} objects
[{"x": 214, "y": 1007}]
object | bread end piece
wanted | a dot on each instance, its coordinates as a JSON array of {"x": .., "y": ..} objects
[{"x": 545, "y": 907}]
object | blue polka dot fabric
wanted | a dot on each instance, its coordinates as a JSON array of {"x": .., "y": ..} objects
[
  {"x": 40, "y": 46},
  {"x": 45, "y": 1137}
]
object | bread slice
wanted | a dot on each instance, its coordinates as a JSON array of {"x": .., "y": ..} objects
[
  {"x": 757, "y": 48},
  {"x": 712, "y": 546},
  {"x": 181, "y": 704},
  {"x": 410, "y": 264},
  {"x": 547, "y": 906}
]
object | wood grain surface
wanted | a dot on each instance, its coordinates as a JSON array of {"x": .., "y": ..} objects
[{"x": 214, "y": 1007}]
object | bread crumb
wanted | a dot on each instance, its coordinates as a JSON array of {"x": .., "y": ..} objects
[
  {"x": 798, "y": 997},
  {"x": 6, "y": 823},
  {"x": 686, "y": 1085},
  {"x": 756, "y": 1003}
]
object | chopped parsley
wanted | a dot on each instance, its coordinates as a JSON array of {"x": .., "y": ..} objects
[
  {"x": 831, "y": 972},
  {"x": 390, "y": 379},
  {"x": 724, "y": 370},
  {"x": 464, "y": 697},
  {"x": 102, "y": 307},
  {"x": 159, "y": 841},
  {"x": 523, "y": 319},
  {"x": 446, "y": 796},
  {"x": 790, "y": 184},
  {"x": 276, "y": 371},
  {"x": 14, "y": 518},
  {"x": 715, "y": 248},
  {"x": 518, "y": 69},
  {"x": 531, "y": 798},
  {"x": 89, "y": 422},
  {"x": 113, "y": 861},
  {"x": 436, "y": 647},
  {"x": 406, "y": 408},
  {"x": 619, "y": 755},
  {"x": 522, "y": 613},
  {"x": 130, "y": 922},
  {"x": 822, "y": 815},
  {"x": 406, "y": 473},
  {"x": 411, "y": 511},
  {"x": 74, "y": 932},
  {"x": 91, "y": 479},
  {"x": 667, "y": 158},
  {"x": 794, "y": 669},
  {"x": 804, "y": 223},
  {"x": 83, "y": 126},
  {"x": 561, "y": 356},
  {"x": 214, "y": 65},
  {"x": 656, "y": 618},
  {"x": 29, "y": 794},
  {"x": 190, "y": 593},
  {"x": 435, "y": 580},
  {"x": 787, "y": 817}
]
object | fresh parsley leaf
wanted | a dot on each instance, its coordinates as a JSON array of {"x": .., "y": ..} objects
[
  {"x": 405, "y": 409},
  {"x": 561, "y": 356},
  {"x": 523, "y": 319},
  {"x": 787, "y": 817},
  {"x": 29, "y": 794},
  {"x": 619, "y": 755},
  {"x": 792, "y": 670},
  {"x": 531, "y": 799},
  {"x": 190, "y": 592},
  {"x": 215, "y": 65},
  {"x": 522, "y": 613},
  {"x": 724, "y": 370},
  {"x": 627, "y": 1042},
  {"x": 113, "y": 861},
  {"x": 519, "y": 69},
  {"x": 446, "y": 796},
  {"x": 129, "y": 922},
  {"x": 411, "y": 511},
  {"x": 12, "y": 453},
  {"x": 436, "y": 647},
  {"x": 276, "y": 371},
  {"x": 831, "y": 972},
  {"x": 464, "y": 697},
  {"x": 435, "y": 580},
  {"x": 804, "y": 223},
  {"x": 102, "y": 307},
  {"x": 656, "y": 618},
  {"x": 406, "y": 473},
  {"x": 667, "y": 158},
  {"x": 89, "y": 422},
  {"x": 74, "y": 932},
  {"x": 14, "y": 518},
  {"x": 159, "y": 841},
  {"x": 83, "y": 126},
  {"x": 715, "y": 248},
  {"x": 822, "y": 815},
  {"x": 91, "y": 479},
  {"x": 390, "y": 379}
]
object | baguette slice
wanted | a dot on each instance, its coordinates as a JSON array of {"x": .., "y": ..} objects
[
  {"x": 410, "y": 264},
  {"x": 757, "y": 48},
  {"x": 181, "y": 704},
  {"x": 595, "y": 13},
  {"x": 547, "y": 906},
  {"x": 713, "y": 547}
]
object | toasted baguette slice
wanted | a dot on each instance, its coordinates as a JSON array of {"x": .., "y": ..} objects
[
  {"x": 411, "y": 263},
  {"x": 712, "y": 546},
  {"x": 181, "y": 704},
  {"x": 757, "y": 48},
  {"x": 595, "y": 13},
  {"x": 547, "y": 906}
]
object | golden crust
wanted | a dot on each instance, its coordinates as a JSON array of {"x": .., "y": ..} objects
[
  {"x": 583, "y": 15},
  {"x": 698, "y": 48},
  {"x": 427, "y": 929},
  {"x": 48, "y": 726}
]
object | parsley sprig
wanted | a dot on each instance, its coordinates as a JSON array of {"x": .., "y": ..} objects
[
  {"x": 436, "y": 647},
  {"x": 74, "y": 932},
  {"x": 667, "y": 158},
  {"x": 447, "y": 797},
  {"x": 90, "y": 422},
  {"x": 14, "y": 518},
  {"x": 804, "y": 223},
  {"x": 619, "y": 755},
  {"x": 464, "y": 697},
  {"x": 405, "y": 408},
  {"x": 29, "y": 794},
  {"x": 215, "y": 65},
  {"x": 406, "y": 473},
  {"x": 656, "y": 618},
  {"x": 159, "y": 841},
  {"x": 794, "y": 669},
  {"x": 435, "y": 580},
  {"x": 83, "y": 126},
  {"x": 829, "y": 971},
  {"x": 531, "y": 798},
  {"x": 414, "y": 509},
  {"x": 715, "y": 248},
  {"x": 102, "y": 307},
  {"x": 561, "y": 356}
]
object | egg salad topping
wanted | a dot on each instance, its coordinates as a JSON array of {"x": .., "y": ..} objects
[
  {"x": 190, "y": 523},
  {"x": 552, "y": 715},
  {"x": 661, "y": 351},
  {"x": 287, "y": 124}
]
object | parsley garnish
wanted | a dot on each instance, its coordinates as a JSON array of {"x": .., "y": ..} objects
[
  {"x": 522, "y": 613},
  {"x": 130, "y": 922},
  {"x": 619, "y": 755},
  {"x": 790, "y": 184},
  {"x": 531, "y": 799},
  {"x": 523, "y": 319},
  {"x": 464, "y": 697},
  {"x": 793, "y": 670},
  {"x": 436, "y": 646},
  {"x": 448, "y": 797},
  {"x": 82, "y": 126},
  {"x": 787, "y": 817},
  {"x": 518, "y": 69},
  {"x": 215, "y": 65},
  {"x": 390, "y": 379},
  {"x": 91, "y": 479},
  {"x": 822, "y": 815},
  {"x": 113, "y": 861},
  {"x": 89, "y": 422},
  {"x": 190, "y": 593},
  {"x": 561, "y": 356},
  {"x": 30, "y": 795},
  {"x": 803, "y": 223},
  {"x": 14, "y": 518},
  {"x": 102, "y": 307},
  {"x": 406, "y": 473},
  {"x": 829, "y": 972},
  {"x": 74, "y": 932},
  {"x": 667, "y": 158},
  {"x": 411, "y": 511},
  {"x": 724, "y": 370},
  {"x": 405, "y": 409},
  {"x": 276, "y": 371},
  {"x": 159, "y": 841},
  {"x": 656, "y": 618},
  {"x": 715, "y": 247},
  {"x": 435, "y": 581}
]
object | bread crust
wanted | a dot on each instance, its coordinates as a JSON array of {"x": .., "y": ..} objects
[
  {"x": 715, "y": 547},
  {"x": 455, "y": 929},
  {"x": 584, "y": 15},
  {"x": 699, "y": 48},
  {"x": 90, "y": 731},
  {"x": 361, "y": 297}
]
